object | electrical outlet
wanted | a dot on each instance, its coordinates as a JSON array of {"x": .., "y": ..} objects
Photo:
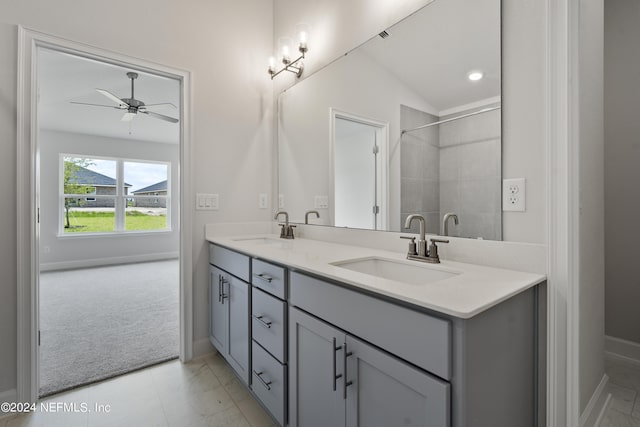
[
  {"x": 263, "y": 201},
  {"x": 281, "y": 201},
  {"x": 321, "y": 202},
  {"x": 514, "y": 195}
]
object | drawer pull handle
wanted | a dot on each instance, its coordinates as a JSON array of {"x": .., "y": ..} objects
[
  {"x": 345, "y": 382},
  {"x": 264, "y": 277},
  {"x": 265, "y": 324},
  {"x": 219, "y": 287},
  {"x": 223, "y": 296},
  {"x": 335, "y": 375},
  {"x": 266, "y": 384}
]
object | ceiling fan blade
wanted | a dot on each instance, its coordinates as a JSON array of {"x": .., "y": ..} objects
[
  {"x": 161, "y": 104},
  {"x": 112, "y": 97},
  {"x": 94, "y": 105},
  {"x": 160, "y": 116},
  {"x": 128, "y": 117}
]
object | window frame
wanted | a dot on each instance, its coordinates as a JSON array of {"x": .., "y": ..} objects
[{"x": 121, "y": 198}]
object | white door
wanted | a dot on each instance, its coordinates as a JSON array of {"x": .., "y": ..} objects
[{"x": 357, "y": 174}]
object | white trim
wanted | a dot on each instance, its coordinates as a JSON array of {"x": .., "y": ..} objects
[
  {"x": 562, "y": 213},
  {"x": 622, "y": 349},
  {"x": 28, "y": 197},
  {"x": 470, "y": 106},
  {"x": 202, "y": 347},
  {"x": 99, "y": 262},
  {"x": 383, "y": 129},
  {"x": 597, "y": 405}
]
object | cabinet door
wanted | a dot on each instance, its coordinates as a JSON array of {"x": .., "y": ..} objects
[
  {"x": 385, "y": 391},
  {"x": 217, "y": 311},
  {"x": 315, "y": 396},
  {"x": 237, "y": 302}
]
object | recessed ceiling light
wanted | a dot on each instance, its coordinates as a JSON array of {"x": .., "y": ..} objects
[{"x": 475, "y": 75}]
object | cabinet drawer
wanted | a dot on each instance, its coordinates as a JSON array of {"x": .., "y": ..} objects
[
  {"x": 230, "y": 261},
  {"x": 413, "y": 336},
  {"x": 269, "y": 323},
  {"x": 268, "y": 382},
  {"x": 269, "y": 277}
]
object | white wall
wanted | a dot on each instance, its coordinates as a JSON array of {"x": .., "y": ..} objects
[
  {"x": 591, "y": 170},
  {"x": 622, "y": 174},
  {"x": 224, "y": 45},
  {"x": 65, "y": 252},
  {"x": 338, "y": 26}
]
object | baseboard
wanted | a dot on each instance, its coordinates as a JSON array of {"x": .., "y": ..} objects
[
  {"x": 101, "y": 262},
  {"x": 202, "y": 347},
  {"x": 627, "y": 350},
  {"x": 597, "y": 405},
  {"x": 8, "y": 396}
]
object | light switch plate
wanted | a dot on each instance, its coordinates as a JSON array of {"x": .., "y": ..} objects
[
  {"x": 281, "y": 201},
  {"x": 207, "y": 202},
  {"x": 514, "y": 195}
]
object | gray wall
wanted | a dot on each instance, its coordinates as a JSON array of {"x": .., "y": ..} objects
[
  {"x": 224, "y": 45},
  {"x": 592, "y": 210},
  {"x": 622, "y": 167},
  {"x": 419, "y": 170},
  {"x": 470, "y": 178}
]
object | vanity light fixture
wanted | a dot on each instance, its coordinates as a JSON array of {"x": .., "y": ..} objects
[
  {"x": 474, "y": 76},
  {"x": 296, "y": 66}
]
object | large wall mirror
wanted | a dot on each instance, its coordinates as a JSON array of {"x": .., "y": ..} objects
[{"x": 407, "y": 123}]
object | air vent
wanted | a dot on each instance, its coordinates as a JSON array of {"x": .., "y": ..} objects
[{"x": 384, "y": 35}]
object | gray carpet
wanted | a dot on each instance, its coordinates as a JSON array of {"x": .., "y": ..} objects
[{"x": 100, "y": 322}]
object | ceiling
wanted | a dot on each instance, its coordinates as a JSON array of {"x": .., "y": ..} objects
[
  {"x": 433, "y": 50},
  {"x": 63, "y": 78}
]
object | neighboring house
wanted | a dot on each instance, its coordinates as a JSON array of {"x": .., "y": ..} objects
[
  {"x": 152, "y": 191},
  {"x": 98, "y": 184}
]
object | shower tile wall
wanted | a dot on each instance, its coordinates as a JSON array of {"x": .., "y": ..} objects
[
  {"x": 471, "y": 175},
  {"x": 420, "y": 170}
]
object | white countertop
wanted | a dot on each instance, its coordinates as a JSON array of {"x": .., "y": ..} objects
[{"x": 473, "y": 290}]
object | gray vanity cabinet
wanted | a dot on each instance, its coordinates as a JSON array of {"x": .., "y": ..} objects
[
  {"x": 229, "y": 298},
  {"x": 380, "y": 390},
  {"x": 315, "y": 394},
  {"x": 385, "y": 391}
]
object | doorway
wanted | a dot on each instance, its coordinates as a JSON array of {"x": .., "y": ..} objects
[
  {"x": 124, "y": 241},
  {"x": 359, "y": 163}
]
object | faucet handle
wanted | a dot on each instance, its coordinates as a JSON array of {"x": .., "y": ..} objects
[
  {"x": 412, "y": 244},
  {"x": 439, "y": 241},
  {"x": 283, "y": 231},
  {"x": 433, "y": 249}
]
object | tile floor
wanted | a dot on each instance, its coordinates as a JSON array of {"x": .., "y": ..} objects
[
  {"x": 624, "y": 386},
  {"x": 203, "y": 392}
]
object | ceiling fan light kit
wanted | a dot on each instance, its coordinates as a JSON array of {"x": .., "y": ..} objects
[{"x": 132, "y": 105}]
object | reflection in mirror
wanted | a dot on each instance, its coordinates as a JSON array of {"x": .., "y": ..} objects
[{"x": 407, "y": 123}]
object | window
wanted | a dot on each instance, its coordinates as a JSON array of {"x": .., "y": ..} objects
[{"x": 125, "y": 196}]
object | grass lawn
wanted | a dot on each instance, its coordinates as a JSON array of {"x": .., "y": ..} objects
[{"x": 100, "y": 222}]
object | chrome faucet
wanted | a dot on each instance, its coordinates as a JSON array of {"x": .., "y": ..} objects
[
  {"x": 419, "y": 251},
  {"x": 306, "y": 215},
  {"x": 445, "y": 222},
  {"x": 286, "y": 232}
]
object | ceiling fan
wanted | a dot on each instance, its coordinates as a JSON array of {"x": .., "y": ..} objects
[{"x": 132, "y": 105}]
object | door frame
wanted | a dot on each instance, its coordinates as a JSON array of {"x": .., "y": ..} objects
[
  {"x": 383, "y": 131},
  {"x": 28, "y": 197}
]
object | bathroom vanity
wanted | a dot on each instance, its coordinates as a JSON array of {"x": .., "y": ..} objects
[{"x": 327, "y": 334}]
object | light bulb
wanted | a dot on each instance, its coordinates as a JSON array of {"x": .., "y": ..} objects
[
  {"x": 285, "y": 54},
  {"x": 272, "y": 64},
  {"x": 475, "y": 76}
]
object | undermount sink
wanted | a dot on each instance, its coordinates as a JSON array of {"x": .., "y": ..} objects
[{"x": 406, "y": 272}]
